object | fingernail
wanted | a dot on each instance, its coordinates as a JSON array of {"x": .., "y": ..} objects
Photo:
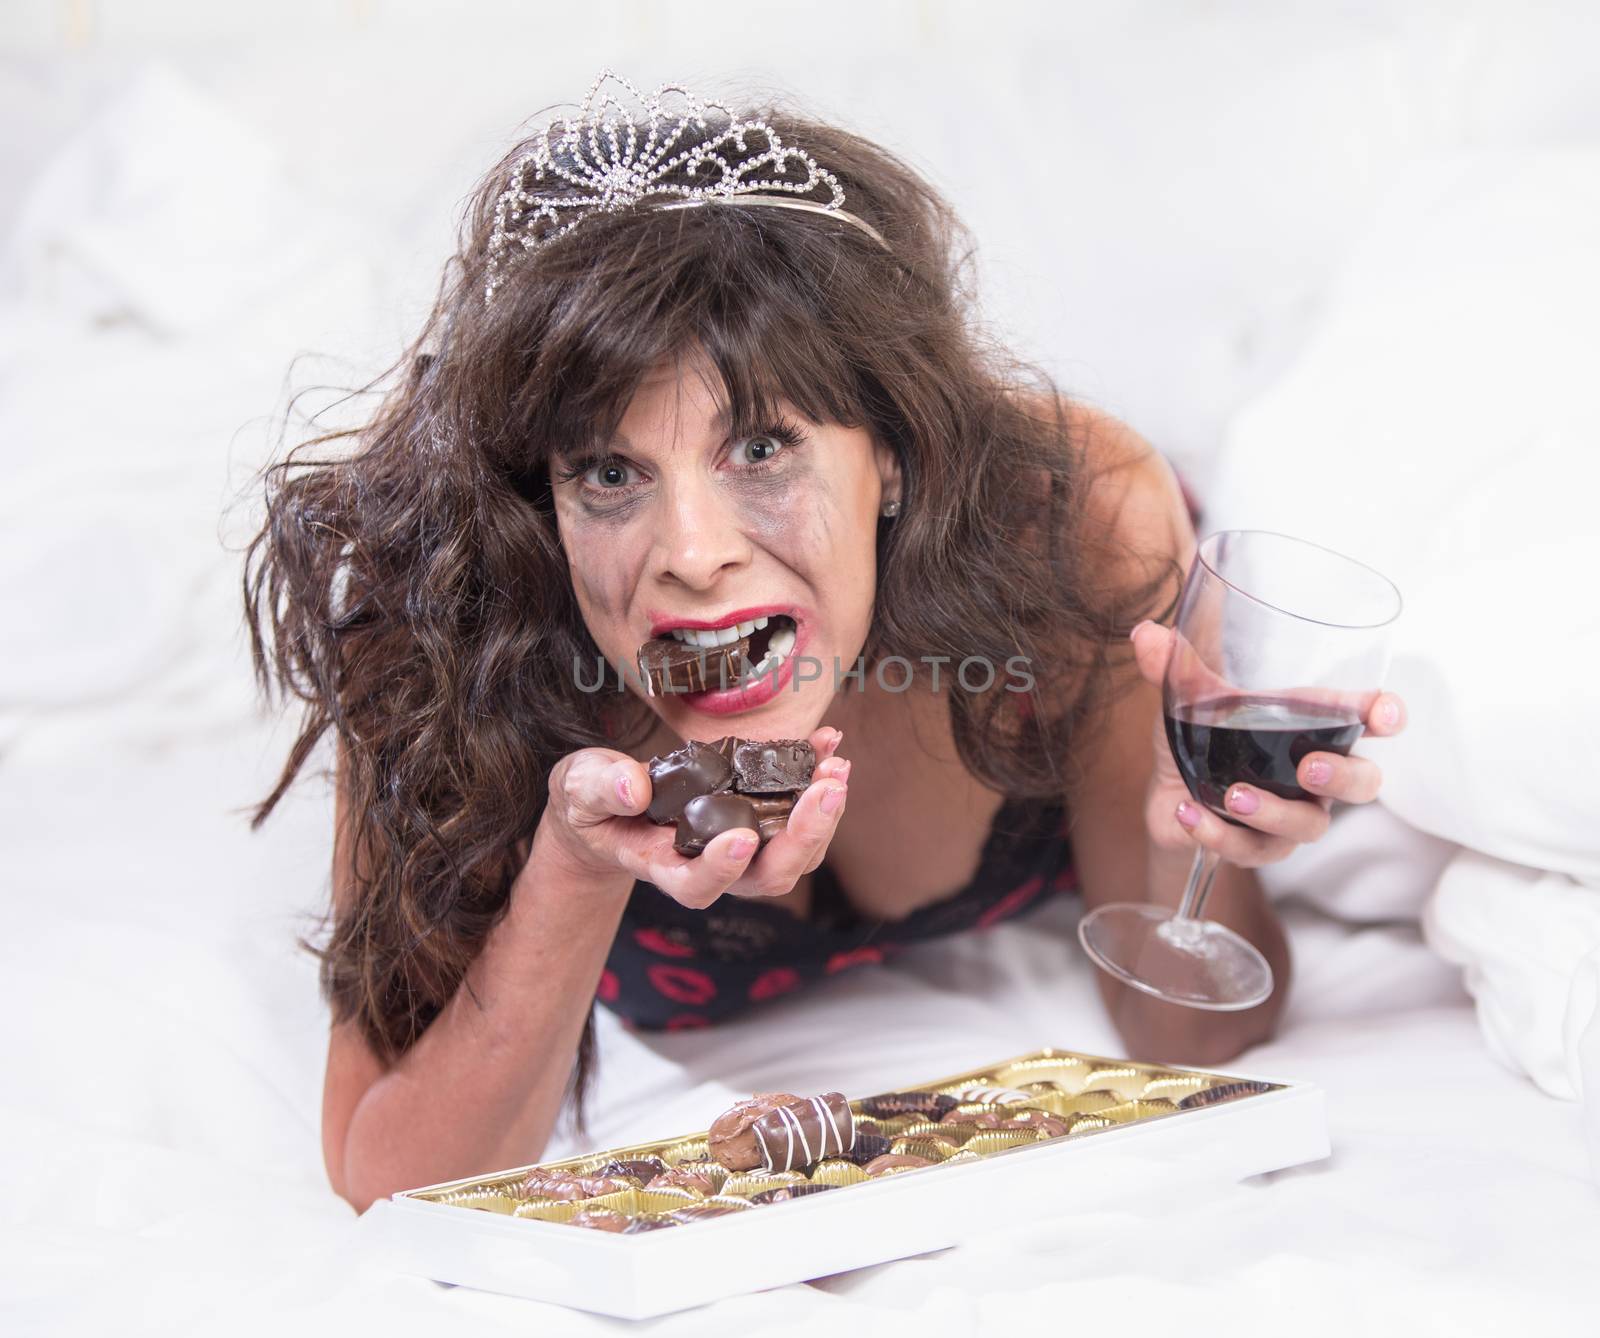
[
  {"x": 1133, "y": 635},
  {"x": 1318, "y": 773},
  {"x": 1389, "y": 712},
  {"x": 740, "y": 847},
  {"x": 1241, "y": 800},
  {"x": 1189, "y": 815},
  {"x": 625, "y": 790},
  {"x": 844, "y": 772},
  {"x": 833, "y": 799}
]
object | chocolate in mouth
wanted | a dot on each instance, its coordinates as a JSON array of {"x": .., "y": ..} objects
[{"x": 667, "y": 665}]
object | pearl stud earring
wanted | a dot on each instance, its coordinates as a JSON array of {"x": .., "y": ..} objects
[{"x": 892, "y": 509}]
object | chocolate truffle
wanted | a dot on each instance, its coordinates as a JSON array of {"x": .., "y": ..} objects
[
  {"x": 696, "y": 1177},
  {"x": 776, "y": 1131},
  {"x": 867, "y": 1147},
  {"x": 894, "y": 1161},
  {"x": 707, "y": 816},
  {"x": 767, "y": 766},
  {"x": 601, "y": 1219},
  {"x": 641, "y": 1169},
  {"x": 770, "y": 775},
  {"x": 679, "y": 776},
  {"x": 567, "y": 1186}
]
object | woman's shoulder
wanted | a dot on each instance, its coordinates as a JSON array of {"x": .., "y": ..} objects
[{"x": 1132, "y": 494}]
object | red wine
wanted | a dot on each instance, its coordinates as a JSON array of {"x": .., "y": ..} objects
[{"x": 1258, "y": 741}]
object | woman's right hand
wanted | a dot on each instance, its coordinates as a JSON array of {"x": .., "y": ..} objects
[{"x": 593, "y": 822}]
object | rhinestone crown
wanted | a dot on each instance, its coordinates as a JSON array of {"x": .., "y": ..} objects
[{"x": 606, "y": 169}]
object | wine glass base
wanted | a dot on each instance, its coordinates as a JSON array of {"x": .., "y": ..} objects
[{"x": 1197, "y": 963}]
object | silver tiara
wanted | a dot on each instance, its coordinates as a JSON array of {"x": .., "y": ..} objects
[{"x": 601, "y": 158}]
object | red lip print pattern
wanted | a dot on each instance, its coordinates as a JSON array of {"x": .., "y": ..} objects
[
  {"x": 653, "y": 940},
  {"x": 770, "y": 984},
  {"x": 682, "y": 984}
]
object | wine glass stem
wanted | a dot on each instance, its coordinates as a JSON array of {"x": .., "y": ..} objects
[{"x": 1201, "y": 874}]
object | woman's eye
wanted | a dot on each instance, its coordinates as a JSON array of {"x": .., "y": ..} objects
[
  {"x": 608, "y": 475},
  {"x": 758, "y": 449}
]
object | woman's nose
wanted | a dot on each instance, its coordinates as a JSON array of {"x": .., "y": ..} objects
[{"x": 698, "y": 536}]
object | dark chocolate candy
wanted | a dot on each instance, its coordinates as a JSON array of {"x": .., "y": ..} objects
[
  {"x": 731, "y": 1139},
  {"x": 785, "y": 1192},
  {"x": 707, "y": 816},
  {"x": 894, "y": 1161},
  {"x": 679, "y": 776},
  {"x": 777, "y": 1131},
  {"x": 565, "y": 1185},
  {"x": 768, "y": 766},
  {"x": 801, "y": 1133},
  {"x": 668, "y": 665},
  {"x": 1228, "y": 1091},
  {"x": 694, "y": 1176},
  {"x": 929, "y": 1105},
  {"x": 642, "y": 1169},
  {"x": 773, "y": 765},
  {"x": 767, "y": 774},
  {"x": 601, "y": 1219},
  {"x": 867, "y": 1147}
]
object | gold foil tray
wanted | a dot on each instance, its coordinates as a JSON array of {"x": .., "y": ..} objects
[{"x": 1093, "y": 1096}]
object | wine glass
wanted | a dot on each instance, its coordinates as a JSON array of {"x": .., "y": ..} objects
[{"x": 1281, "y": 648}]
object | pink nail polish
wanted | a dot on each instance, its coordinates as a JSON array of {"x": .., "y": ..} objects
[
  {"x": 1318, "y": 773},
  {"x": 1243, "y": 801},
  {"x": 1389, "y": 713},
  {"x": 844, "y": 772},
  {"x": 740, "y": 847},
  {"x": 1189, "y": 815},
  {"x": 832, "y": 800},
  {"x": 625, "y": 790}
]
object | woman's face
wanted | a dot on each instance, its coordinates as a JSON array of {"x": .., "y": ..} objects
[{"x": 682, "y": 525}]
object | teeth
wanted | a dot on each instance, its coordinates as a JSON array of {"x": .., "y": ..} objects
[{"x": 782, "y": 640}]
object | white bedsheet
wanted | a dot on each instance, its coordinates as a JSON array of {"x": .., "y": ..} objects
[{"x": 158, "y": 1127}]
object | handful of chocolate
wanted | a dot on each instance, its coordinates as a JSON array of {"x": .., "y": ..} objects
[{"x": 711, "y": 788}]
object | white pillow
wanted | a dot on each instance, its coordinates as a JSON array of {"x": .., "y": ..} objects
[{"x": 1442, "y": 424}]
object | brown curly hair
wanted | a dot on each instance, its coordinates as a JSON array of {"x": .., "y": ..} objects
[{"x": 410, "y": 587}]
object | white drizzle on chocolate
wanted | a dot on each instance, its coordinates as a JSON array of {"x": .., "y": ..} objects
[{"x": 793, "y": 1126}]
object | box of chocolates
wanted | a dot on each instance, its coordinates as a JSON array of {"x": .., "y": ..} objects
[{"x": 781, "y": 1188}]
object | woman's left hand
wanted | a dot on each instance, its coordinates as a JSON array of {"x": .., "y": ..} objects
[{"x": 1274, "y": 826}]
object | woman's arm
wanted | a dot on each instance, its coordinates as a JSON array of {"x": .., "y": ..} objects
[
  {"x": 483, "y": 1085},
  {"x": 1127, "y": 844}
]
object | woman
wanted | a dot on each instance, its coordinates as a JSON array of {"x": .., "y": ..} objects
[{"x": 662, "y": 409}]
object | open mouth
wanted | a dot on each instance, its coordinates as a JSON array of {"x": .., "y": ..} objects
[
  {"x": 768, "y": 640},
  {"x": 690, "y": 660}
]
